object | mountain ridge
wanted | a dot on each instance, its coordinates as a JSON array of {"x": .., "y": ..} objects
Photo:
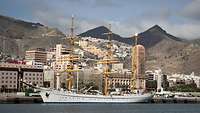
[{"x": 152, "y": 32}]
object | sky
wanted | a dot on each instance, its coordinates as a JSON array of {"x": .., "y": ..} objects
[{"x": 180, "y": 18}]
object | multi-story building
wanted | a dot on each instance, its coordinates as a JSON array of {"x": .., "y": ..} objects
[
  {"x": 37, "y": 55},
  {"x": 12, "y": 76},
  {"x": 118, "y": 80},
  {"x": 62, "y": 54},
  {"x": 184, "y": 79},
  {"x": 117, "y": 67},
  {"x": 51, "y": 56},
  {"x": 83, "y": 43},
  {"x": 159, "y": 78},
  {"x": 8, "y": 79},
  {"x": 36, "y": 64},
  {"x": 49, "y": 77},
  {"x": 33, "y": 76},
  {"x": 150, "y": 75},
  {"x": 138, "y": 62}
]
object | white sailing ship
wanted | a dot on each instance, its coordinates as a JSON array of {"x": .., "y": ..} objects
[{"x": 55, "y": 96}]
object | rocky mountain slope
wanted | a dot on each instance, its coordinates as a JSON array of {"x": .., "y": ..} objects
[{"x": 16, "y": 36}]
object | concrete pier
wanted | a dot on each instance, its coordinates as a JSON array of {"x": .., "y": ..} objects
[
  {"x": 176, "y": 100},
  {"x": 13, "y": 98}
]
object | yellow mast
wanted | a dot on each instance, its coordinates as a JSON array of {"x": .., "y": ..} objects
[
  {"x": 107, "y": 61},
  {"x": 71, "y": 59}
]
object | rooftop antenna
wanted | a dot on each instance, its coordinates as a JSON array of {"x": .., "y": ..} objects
[{"x": 72, "y": 27}]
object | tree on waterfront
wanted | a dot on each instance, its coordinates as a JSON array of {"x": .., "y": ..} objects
[{"x": 185, "y": 88}]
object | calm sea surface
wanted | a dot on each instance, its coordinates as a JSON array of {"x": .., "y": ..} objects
[{"x": 99, "y": 108}]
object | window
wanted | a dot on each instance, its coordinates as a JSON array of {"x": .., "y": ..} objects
[
  {"x": 14, "y": 86},
  {"x": 10, "y": 73},
  {"x": 14, "y": 73},
  {"x": 2, "y": 73},
  {"x": 26, "y": 78},
  {"x": 10, "y": 85},
  {"x": 2, "y": 81},
  {"x": 33, "y": 78},
  {"x": 2, "y": 77},
  {"x": 6, "y": 81},
  {"x": 33, "y": 74},
  {"x": 6, "y": 77},
  {"x": 14, "y": 81},
  {"x": 29, "y": 74},
  {"x": 10, "y": 81},
  {"x": 40, "y": 78},
  {"x": 10, "y": 77},
  {"x": 30, "y": 78},
  {"x": 6, "y": 73},
  {"x": 14, "y": 78}
]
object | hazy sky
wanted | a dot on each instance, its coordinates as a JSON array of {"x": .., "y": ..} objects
[{"x": 178, "y": 17}]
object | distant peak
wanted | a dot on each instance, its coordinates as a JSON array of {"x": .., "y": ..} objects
[
  {"x": 101, "y": 27},
  {"x": 156, "y": 28}
]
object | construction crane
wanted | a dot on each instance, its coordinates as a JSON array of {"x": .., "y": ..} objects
[{"x": 107, "y": 61}]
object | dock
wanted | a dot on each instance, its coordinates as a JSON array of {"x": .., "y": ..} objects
[
  {"x": 15, "y": 99},
  {"x": 185, "y": 100}
]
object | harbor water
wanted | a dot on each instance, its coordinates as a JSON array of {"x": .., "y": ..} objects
[{"x": 99, "y": 108}]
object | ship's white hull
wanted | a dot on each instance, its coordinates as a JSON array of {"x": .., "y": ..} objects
[{"x": 64, "y": 97}]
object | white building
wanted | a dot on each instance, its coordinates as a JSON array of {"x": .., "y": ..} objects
[
  {"x": 159, "y": 80},
  {"x": 34, "y": 63},
  {"x": 191, "y": 77},
  {"x": 117, "y": 67},
  {"x": 49, "y": 77}
]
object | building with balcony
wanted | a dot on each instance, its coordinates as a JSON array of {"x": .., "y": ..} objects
[{"x": 36, "y": 55}]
